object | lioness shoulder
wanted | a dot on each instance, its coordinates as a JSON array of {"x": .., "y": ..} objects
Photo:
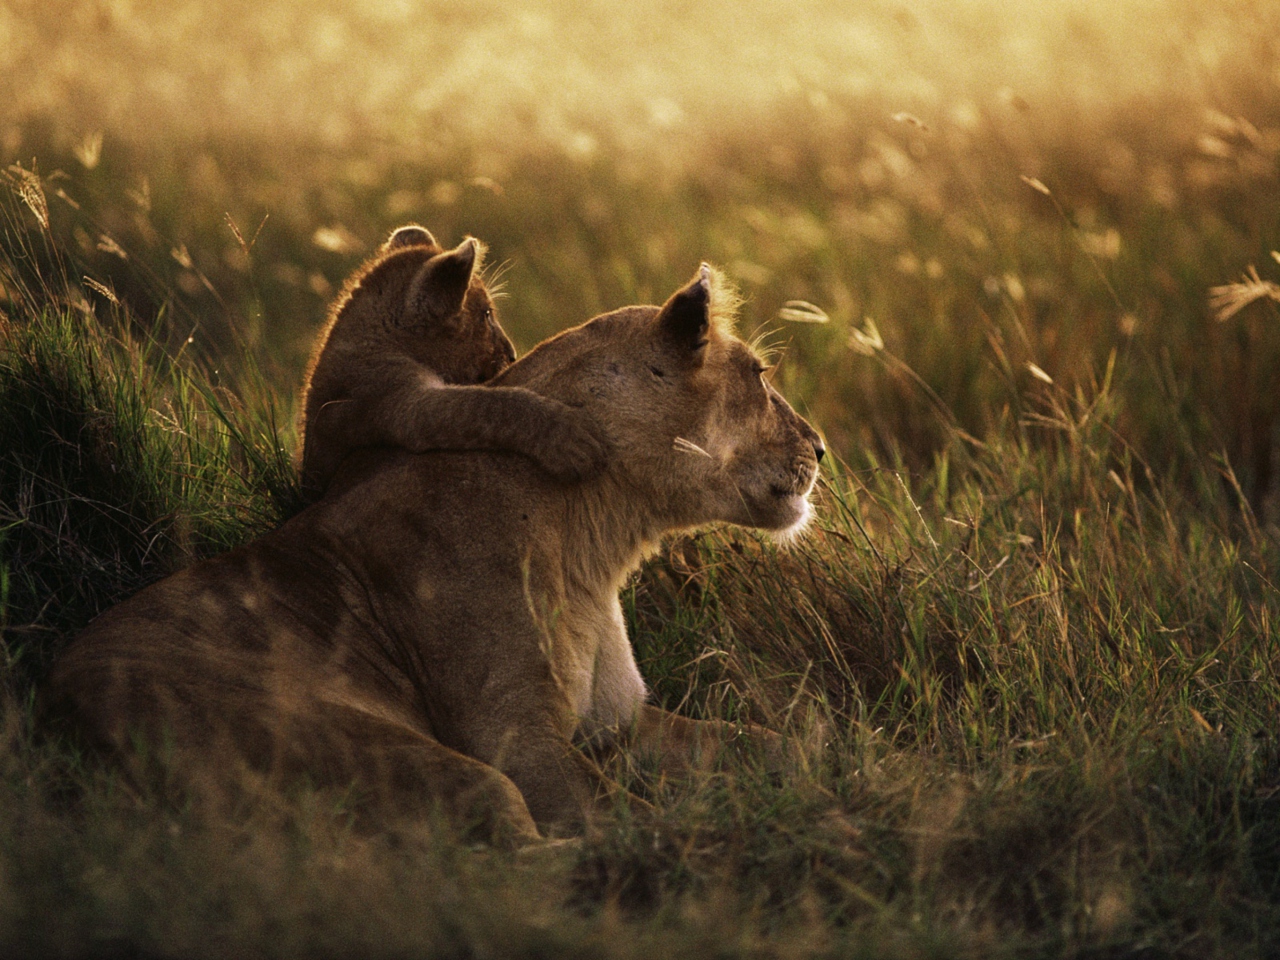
[{"x": 411, "y": 337}]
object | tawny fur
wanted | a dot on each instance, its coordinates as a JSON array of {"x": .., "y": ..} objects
[
  {"x": 439, "y": 629},
  {"x": 410, "y": 337}
]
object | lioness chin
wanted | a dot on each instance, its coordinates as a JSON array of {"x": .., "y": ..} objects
[{"x": 441, "y": 627}]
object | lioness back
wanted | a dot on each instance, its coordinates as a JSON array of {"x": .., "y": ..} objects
[{"x": 411, "y": 337}]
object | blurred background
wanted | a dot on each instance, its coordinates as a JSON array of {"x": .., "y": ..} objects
[{"x": 973, "y": 198}]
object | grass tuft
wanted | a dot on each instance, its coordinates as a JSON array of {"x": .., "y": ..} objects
[{"x": 117, "y": 465}]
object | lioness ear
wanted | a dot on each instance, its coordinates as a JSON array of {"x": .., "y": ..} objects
[
  {"x": 441, "y": 285},
  {"x": 411, "y": 235},
  {"x": 685, "y": 319}
]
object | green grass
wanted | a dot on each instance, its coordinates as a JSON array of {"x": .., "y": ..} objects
[
  {"x": 118, "y": 465},
  {"x": 1027, "y": 652}
]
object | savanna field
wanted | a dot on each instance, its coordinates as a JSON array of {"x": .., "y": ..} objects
[{"x": 1018, "y": 263}]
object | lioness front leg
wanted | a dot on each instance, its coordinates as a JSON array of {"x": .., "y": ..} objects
[
  {"x": 564, "y": 790},
  {"x": 679, "y": 746}
]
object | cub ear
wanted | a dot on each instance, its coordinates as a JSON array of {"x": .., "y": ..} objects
[
  {"x": 685, "y": 319},
  {"x": 438, "y": 289},
  {"x": 410, "y": 235}
]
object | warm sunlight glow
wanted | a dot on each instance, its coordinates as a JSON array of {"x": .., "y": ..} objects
[{"x": 582, "y": 76}]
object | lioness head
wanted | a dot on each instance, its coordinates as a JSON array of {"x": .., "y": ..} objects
[
  {"x": 693, "y": 421},
  {"x": 431, "y": 304}
]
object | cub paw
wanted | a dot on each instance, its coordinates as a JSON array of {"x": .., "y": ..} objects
[{"x": 571, "y": 445}]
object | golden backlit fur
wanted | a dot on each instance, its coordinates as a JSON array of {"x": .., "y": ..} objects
[
  {"x": 441, "y": 628},
  {"x": 410, "y": 337}
]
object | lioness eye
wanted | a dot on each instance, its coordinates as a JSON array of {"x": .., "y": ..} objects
[{"x": 760, "y": 369}]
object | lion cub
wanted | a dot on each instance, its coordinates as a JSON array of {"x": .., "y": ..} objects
[{"x": 412, "y": 335}]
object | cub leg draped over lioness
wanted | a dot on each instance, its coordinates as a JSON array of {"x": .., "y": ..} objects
[{"x": 412, "y": 336}]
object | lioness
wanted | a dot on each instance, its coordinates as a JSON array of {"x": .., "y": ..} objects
[
  {"x": 439, "y": 628},
  {"x": 412, "y": 333}
]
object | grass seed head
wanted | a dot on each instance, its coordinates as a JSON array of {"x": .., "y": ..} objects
[
  {"x": 26, "y": 184},
  {"x": 1229, "y": 299}
]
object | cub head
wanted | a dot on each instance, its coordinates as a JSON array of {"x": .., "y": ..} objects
[
  {"x": 431, "y": 303},
  {"x": 696, "y": 427}
]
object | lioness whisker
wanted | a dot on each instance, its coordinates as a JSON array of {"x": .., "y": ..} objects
[{"x": 688, "y": 446}]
